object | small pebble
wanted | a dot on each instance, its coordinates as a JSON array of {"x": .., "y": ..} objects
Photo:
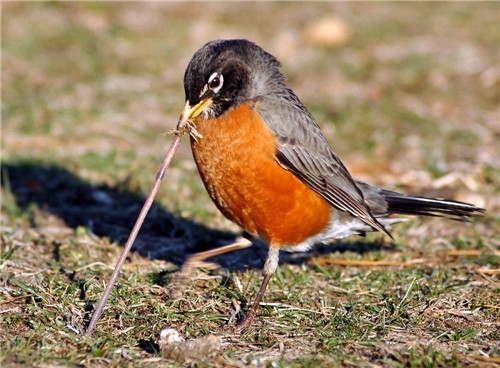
[
  {"x": 328, "y": 32},
  {"x": 173, "y": 346}
]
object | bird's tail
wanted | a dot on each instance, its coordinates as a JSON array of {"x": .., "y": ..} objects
[{"x": 413, "y": 205}]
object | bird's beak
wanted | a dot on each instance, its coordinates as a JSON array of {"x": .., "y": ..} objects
[{"x": 192, "y": 112}]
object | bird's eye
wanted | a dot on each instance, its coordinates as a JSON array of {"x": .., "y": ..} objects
[{"x": 215, "y": 82}]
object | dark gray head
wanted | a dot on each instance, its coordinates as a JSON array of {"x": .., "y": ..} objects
[{"x": 228, "y": 72}]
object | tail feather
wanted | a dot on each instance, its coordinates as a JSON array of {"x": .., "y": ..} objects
[{"x": 410, "y": 205}]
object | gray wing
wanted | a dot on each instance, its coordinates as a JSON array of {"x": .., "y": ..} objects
[{"x": 303, "y": 150}]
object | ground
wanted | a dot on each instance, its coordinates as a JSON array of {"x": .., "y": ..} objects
[{"x": 407, "y": 94}]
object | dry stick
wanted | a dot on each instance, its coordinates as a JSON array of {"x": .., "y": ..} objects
[
  {"x": 363, "y": 263},
  {"x": 135, "y": 230}
]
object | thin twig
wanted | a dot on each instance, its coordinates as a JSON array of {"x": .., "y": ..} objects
[
  {"x": 137, "y": 226},
  {"x": 363, "y": 263}
]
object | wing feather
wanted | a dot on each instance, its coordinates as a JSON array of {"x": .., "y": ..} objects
[{"x": 303, "y": 149}]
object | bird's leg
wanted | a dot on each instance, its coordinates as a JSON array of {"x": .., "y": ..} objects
[
  {"x": 269, "y": 270},
  {"x": 197, "y": 260}
]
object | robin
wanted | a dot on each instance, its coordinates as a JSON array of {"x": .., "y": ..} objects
[{"x": 268, "y": 167}]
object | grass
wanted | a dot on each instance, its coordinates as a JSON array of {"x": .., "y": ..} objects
[{"x": 410, "y": 102}]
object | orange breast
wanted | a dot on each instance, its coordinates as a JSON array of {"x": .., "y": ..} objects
[{"x": 236, "y": 160}]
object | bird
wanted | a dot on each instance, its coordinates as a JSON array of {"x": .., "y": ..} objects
[{"x": 268, "y": 167}]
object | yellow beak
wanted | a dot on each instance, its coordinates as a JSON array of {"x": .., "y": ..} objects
[{"x": 192, "y": 112}]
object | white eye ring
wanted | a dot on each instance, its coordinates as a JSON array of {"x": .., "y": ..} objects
[{"x": 215, "y": 82}]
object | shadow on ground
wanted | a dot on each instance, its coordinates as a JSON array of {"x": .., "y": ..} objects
[
  {"x": 107, "y": 211},
  {"x": 111, "y": 212}
]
